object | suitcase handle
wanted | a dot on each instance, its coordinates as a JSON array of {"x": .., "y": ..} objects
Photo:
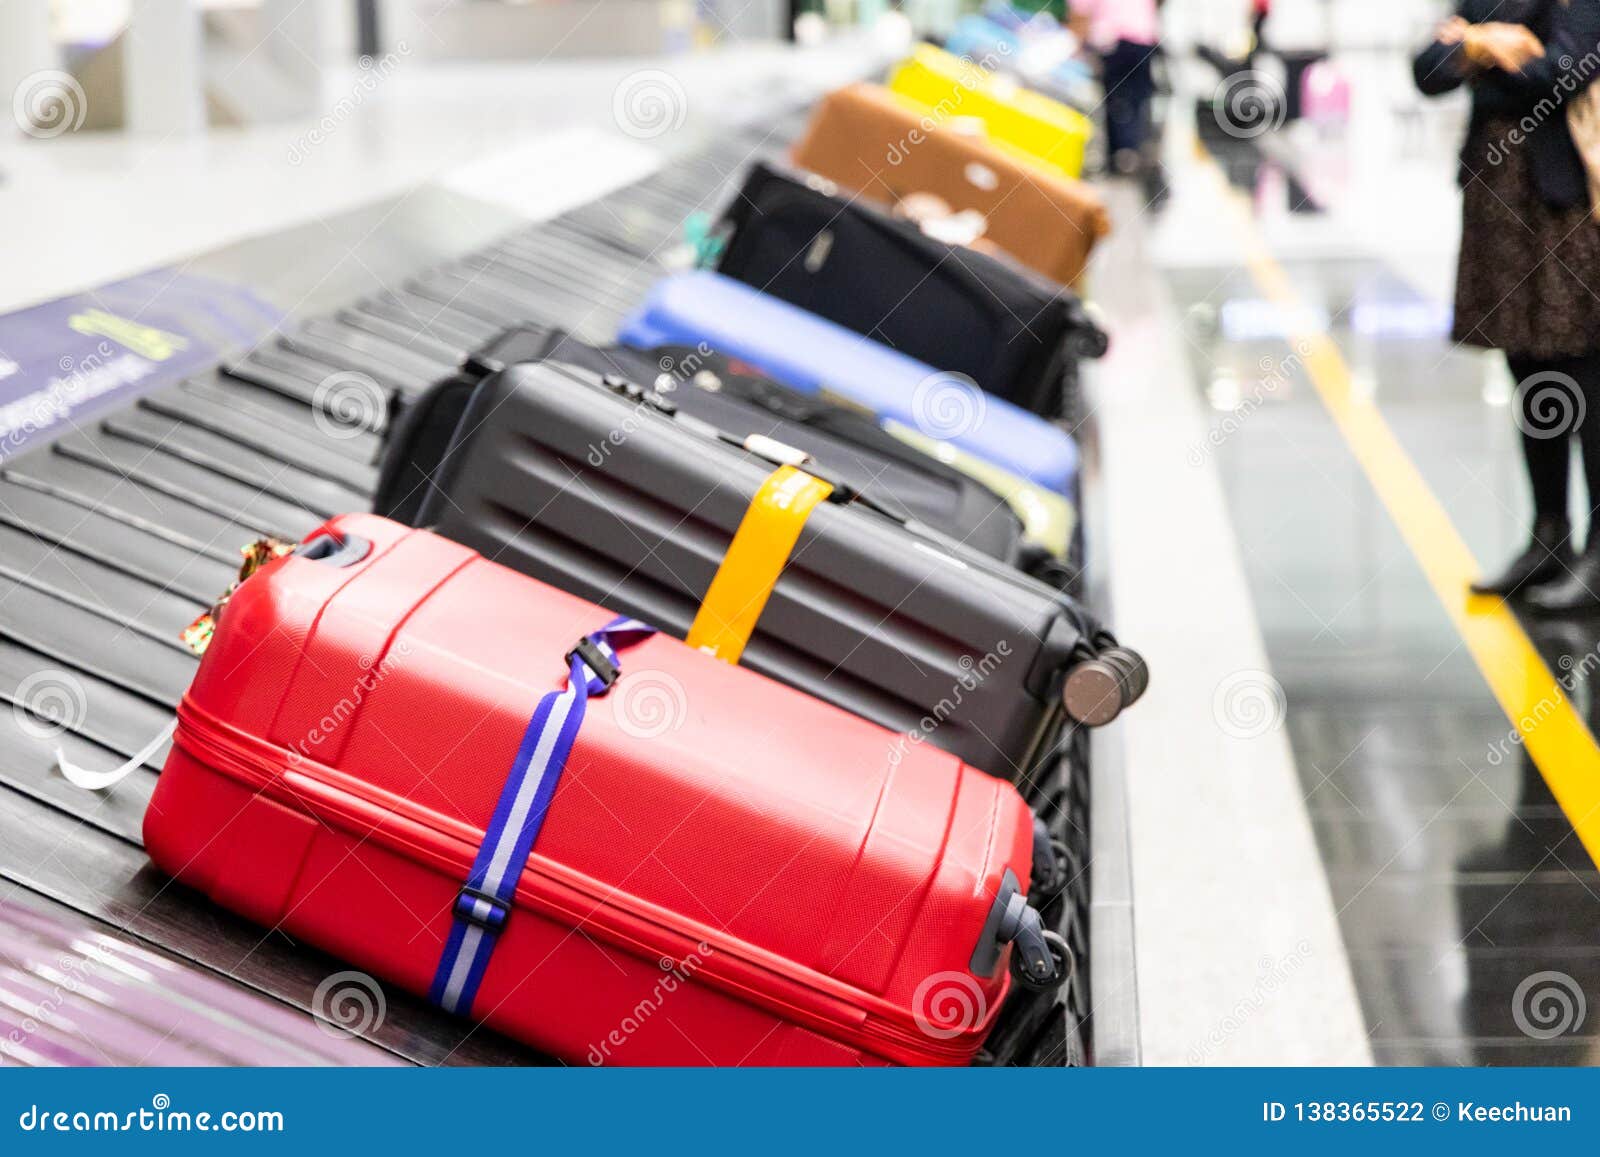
[{"x": 339, "y": 552}]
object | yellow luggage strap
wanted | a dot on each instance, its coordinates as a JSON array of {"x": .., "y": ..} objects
[{"x": 756, "y": 557}]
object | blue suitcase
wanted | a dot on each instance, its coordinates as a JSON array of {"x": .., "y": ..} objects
[{"x": 815, "y": 356}]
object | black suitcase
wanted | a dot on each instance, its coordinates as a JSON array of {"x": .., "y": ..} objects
[
  {"x": 733, "y": 397},
  {"x": 606, "y": 489},
  {"x": 1018, "y": 336}
]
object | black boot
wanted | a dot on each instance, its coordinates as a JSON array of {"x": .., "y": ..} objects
[
  {"x": 1574, "y": 590},
  {"x": 1547, "y": 556}
]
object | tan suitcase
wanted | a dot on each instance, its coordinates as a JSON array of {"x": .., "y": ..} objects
[{"x": 887, "y": 147}]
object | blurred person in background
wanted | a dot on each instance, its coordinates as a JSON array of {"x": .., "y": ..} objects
[
  {"x": 1260, "y": 12},
  {"x": 1528, "y": 273},
  {"x": 1126, "y": 35},
  {"x": 1296, "y": 32}
]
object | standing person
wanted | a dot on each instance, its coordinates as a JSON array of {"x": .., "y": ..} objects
[
  {"x": 1260, "y": 12},
  {"x": 1126, "y": 34},
  {"x": 1296, "y": 32},
  {"x": 1528, "y": 245}
]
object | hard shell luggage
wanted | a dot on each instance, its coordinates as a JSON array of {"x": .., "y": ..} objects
[
  {"x": 753, "y": 553},
  {"x": 589, "y": 836},
  {"x": 1015, "y": 334},
  {"x": 1049, "y": 521},
  {"x": 1048, "y": 222},
  {"x": 1049, "y": 132},
  {"x": 813, "y": 355},
  {"x": 737, "y": 399},
  {"x": 1040, "y": 53}
]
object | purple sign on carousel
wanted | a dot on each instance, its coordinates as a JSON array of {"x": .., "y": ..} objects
[{"x": 64, "y": 360}]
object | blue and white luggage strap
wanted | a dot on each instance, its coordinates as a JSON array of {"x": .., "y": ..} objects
[{"x": 483, "y": 905}]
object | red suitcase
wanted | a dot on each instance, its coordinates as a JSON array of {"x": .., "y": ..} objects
[{"x": 729, "y": 871}]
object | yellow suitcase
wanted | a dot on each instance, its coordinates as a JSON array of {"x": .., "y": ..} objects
[
  {"x": 1048, "y": 519},
  {"x": 1014, "y": 117}
]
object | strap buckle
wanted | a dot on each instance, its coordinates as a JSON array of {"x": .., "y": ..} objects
[
  {"x": 466, "y": 909},
  {"x": 595, "y": 659}
]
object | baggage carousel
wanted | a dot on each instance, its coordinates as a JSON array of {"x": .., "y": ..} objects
[{"x": 122, "y": 518}]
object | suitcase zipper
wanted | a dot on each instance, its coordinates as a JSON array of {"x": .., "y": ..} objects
[{"x": 337, "y": 799}]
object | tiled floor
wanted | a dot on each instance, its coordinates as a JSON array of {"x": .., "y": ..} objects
[{"x": 1469, "y": 907}]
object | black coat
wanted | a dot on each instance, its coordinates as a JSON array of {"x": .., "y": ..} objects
[{"x": 1536, "y": 97}]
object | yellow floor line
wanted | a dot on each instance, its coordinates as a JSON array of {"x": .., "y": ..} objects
[{"x": 1534, "y": 702}]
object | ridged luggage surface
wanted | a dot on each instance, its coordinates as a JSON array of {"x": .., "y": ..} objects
[
  {"x": 849, "y": 445},
  {"x": 599, "y": 494},
  {"x": 813, "y": 355},
  {"x": 350, "y": 730},
  {"x": 96, "y": 596}
]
